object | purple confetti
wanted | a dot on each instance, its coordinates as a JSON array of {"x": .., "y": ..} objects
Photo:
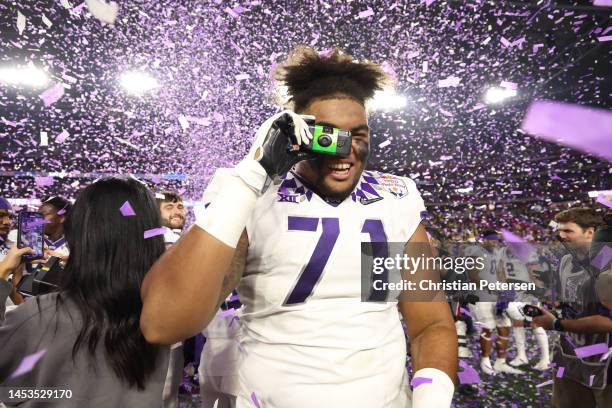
[
  {"x": 601, "y": 199},
  {"x": 254, "y": 399},
  {"x": 469, "y": 375},
  {"x": 520, "y": 248},
  {"x": 465, "y": 311},
  {"x": 227, "y": 313},
  {"x": 44, "y": 181},
  {"x": 367, "y": 13},
  {"x": 28, "y": 363},
  {"x": 603, "y": 3},
  {"x": 603, "y": 258},
  {"x": 61, "y": 138},
  {"x": 586, "y": 129},
  {"x": 127, "y": 210},
  {"x": 592, "y": 350},
  {"x": 53, "y": 94},
  {"x": 560, "y": 372},
  {"x": 416, "y": 381},
  {"x": 154, "y": 232}
]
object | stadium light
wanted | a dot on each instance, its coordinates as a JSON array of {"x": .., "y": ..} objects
[
  {"x": 498, "y": 94},
  {"x": 387, "y": 100},
  {"x": 27, "y": 76},
  {"x": 138, "y": 82}
]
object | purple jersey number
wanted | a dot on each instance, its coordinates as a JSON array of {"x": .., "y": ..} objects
[
  {"x": 311, "y": 274},
  {"x": 380, "y": 249}
]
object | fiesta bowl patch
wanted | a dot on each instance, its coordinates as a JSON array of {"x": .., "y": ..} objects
[{"x": 393, "y": 185}]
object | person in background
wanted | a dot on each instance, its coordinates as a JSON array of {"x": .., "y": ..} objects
[
  {"x": 586, "y": 380},
  {"x": 6, "y": 221},
  {"x": 93, "y": 320},
  {"x": 486, "y": 310},
  {"x": 55, "y": 210},
  {"x": 173, "y": 218},
  {"x": 173, "y": 214}
]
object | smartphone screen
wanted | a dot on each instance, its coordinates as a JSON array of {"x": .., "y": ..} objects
[{"x": 30, "y": 233}]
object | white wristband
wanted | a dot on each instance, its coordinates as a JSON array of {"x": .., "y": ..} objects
[
  {"x": 435, "y": 390},
  {"x": 226, "y": 216}
]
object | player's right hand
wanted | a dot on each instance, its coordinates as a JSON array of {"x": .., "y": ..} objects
[{"x": 275, "y": 148}]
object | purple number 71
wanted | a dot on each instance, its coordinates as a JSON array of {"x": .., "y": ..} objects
[{"x": 311, "y": 274}]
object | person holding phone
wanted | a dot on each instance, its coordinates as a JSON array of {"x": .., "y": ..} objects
[
  {"x": 10, "y": 263},
  {"x": 93, "y": 319},
  {"x": 6, "y": 222}
]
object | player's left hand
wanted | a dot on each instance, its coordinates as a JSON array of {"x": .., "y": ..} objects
[
  {"x": 546, "y": 320},
  {"x": 12, "y": 261}
]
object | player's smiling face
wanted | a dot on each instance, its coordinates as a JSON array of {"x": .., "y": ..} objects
[{"x": 337, "y": 176}]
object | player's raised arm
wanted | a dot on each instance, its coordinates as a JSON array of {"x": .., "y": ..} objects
[
  {"x": 433, "y": 339},
  {"x": 180, "y": 293}
]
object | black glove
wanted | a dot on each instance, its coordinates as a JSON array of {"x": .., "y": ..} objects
[{"x": 280, "y": 149}]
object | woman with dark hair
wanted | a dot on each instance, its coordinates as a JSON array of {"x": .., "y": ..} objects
[{"x": 86, "y": 337}]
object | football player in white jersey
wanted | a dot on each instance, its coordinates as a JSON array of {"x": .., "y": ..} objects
[
  {"x": 485, "y": 311},
  {"x": 515, "y": 270},
  {"x": 294, "y": 249}
]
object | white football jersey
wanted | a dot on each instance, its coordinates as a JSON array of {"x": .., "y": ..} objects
[{"x": 307, "y": 338}]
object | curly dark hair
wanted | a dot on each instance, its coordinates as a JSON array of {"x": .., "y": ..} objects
[{"x": 310, "y": 75}]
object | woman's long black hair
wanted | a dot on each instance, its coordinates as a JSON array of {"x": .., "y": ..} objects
[{"x": 109, "y": 258}]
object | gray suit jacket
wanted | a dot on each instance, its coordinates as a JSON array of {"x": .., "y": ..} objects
[{"x": 27, "y": 330}]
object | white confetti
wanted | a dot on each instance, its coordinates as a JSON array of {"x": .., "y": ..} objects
[
  {"x": 44, "y": 138},
  {"x": 21, "y": 22},
  {"x": 105, "y": 12},
  {"x": 46, "y": 21},
  {"x": 183, "y": 122},
  {"x": 384, "y": 144},
  {"x": 451, "y": 81}
]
